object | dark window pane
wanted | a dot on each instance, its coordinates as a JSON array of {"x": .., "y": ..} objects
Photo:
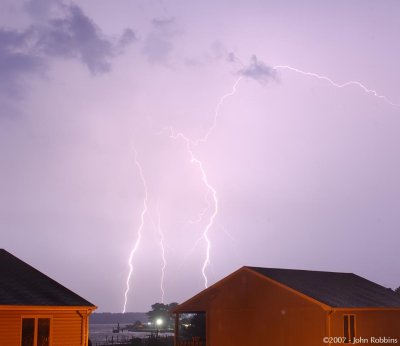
[
  {"x": 352, "y": 328},
  {"x": 192, "y": 327},
  {"x": 346, "y": 328},
  {"x": 28, "y": 331},
  {"x": 43, "y": 332}
]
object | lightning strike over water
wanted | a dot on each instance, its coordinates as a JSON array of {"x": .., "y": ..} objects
[
  {"x": 140, "y": 229},
  {"x": 212, "y": 207},
  {"x": 210, "y": 189},
  {"x": 164, "y": 261},
  {"x": 213, "y": 192}
]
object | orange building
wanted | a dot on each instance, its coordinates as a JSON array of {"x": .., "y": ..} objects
[
  {"x": 36, "y": 310},
  {"x": 283, "y": 307}
]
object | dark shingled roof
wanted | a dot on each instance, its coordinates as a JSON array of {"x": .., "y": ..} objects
[
  {"x": 341, "y": 290},
  {"x": 21, "y": 284}
]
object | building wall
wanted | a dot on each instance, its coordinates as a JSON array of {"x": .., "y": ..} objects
[
  {"x": 68, "y": 328},
  {"x": 369, "y": 324},
  {"x": 246, "y": 310}
]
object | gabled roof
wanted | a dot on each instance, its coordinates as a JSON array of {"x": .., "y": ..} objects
[
  {"x": 340, "y": 290},
  {"x": 23, "y": 285},
  {"x": 328, "y": 289}
]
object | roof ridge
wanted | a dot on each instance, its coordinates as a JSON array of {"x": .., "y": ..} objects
[
  {"x": 335, "y": 289},
  {"x": 23, "y": 284},
  {"x": 303, "y": 270}
]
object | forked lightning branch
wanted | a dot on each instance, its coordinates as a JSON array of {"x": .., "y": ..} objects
[{"x": 211, "y": 212}]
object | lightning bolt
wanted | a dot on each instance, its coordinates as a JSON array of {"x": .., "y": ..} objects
[
  {"x": 216, "y": 113},
  {"x": 210, "y": 189},
  {"x": 140, "y": 229},
  {"x": 192, "y": 143},
  {"x": 337, "y": 85},
  {"x": 212, "y": 208},
  {"x": 164, "y": 261}
]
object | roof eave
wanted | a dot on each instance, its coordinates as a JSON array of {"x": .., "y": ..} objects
[
  {"x": 375, "y": 308},
  {"x": 181, "y": 307},
  {"x": 89, "y": 308}
]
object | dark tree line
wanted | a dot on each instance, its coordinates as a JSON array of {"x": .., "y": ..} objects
[{"x": 163, "y": 312}]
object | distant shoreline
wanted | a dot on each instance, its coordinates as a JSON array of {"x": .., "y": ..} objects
[{"x": 117, "y": 317}]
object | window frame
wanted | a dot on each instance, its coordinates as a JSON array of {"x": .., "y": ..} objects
[
  {"x": 349, "y": 317},
  {"x": 36, "y": 318},
  {"x": 179, "y": 335}
]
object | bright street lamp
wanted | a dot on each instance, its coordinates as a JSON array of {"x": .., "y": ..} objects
[{"x": 159, "y": 322}]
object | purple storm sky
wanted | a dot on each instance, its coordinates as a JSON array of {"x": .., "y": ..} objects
[{"x": 306, "y": 173}]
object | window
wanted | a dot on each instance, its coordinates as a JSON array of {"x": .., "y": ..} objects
[
  {"x": 349, "y": 326},
  {"x": 28, "y": 331},
  {"x": 192, "y": 328},
  {"x": 35, "y": 332}
]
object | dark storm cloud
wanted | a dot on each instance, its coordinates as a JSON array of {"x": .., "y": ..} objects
[
  {"x": 77, "y": 36},
  {"x": 40, "y": 9},
  {"x": 17, "y": 59},
  {"x": 217, "y": 51},
  {"x": 127, "y": 38},
  {"x": 259, "y": 71},
  {"x": 73, "y": 35},
  {"x": 158, "y": 44}
]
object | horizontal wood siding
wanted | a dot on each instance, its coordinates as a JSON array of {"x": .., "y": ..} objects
[
  {"x": 68, "y": 328},
  {"x": 369, "y": 324},
  {"x": 10, "y": 328}
]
